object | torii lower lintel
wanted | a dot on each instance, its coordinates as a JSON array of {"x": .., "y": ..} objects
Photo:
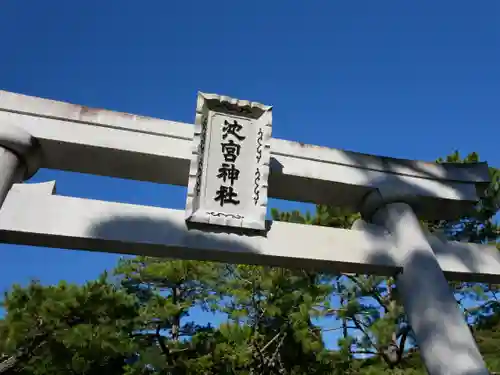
[{"x": 33, "y": 215}]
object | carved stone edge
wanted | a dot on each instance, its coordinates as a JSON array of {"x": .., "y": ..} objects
[
  {"x": 197, "y": 155},
  {"x": 226, "y": 104},
  {"x": 225, "y": 218},
  {"x": 263, "y": 156},
  {"x": 217, "y": 218}
]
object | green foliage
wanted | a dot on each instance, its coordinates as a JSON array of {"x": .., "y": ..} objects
[
  {"x": 142, "y": 321},
  {"x": 64, "y": 328}
]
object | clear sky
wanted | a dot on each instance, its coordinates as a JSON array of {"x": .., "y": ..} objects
[{"x": 410, "y": 79}]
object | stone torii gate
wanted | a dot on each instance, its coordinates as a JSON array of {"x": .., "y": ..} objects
[{"x": 230, "y": 164}]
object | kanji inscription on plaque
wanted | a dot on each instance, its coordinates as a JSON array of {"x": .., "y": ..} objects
[{"x": 230, "y": 163}]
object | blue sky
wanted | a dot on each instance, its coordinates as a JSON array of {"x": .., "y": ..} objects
[{"x": 410, "y": 79}]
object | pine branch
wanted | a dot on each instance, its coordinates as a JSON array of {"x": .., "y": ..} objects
[
  {"x": 373, "y": 293},
  {"x": 161, "y": 342},
  {"x": 271, "y": 341},
  {"x": 336, "y": 329}
]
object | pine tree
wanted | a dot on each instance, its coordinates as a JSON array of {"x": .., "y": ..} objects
[
  {"x": 279, "y": 305},
  {"x": 167, "y": 291},
  {"x": 67, "y": 329}
]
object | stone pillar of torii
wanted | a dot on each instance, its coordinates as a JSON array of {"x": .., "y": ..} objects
[{"x": 231, "y": 165}]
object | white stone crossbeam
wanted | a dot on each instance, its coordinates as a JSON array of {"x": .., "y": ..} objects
[
  {"x": 32, "y": 215},
  {"x": 101, "y": 142}
]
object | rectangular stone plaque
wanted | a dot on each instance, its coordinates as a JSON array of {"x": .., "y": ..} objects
[{"x": 230, "y": 163}]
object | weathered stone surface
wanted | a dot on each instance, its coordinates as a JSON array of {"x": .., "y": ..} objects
[
  {"x": 230, "y": 163},
  {"x": 81, "y": 139}
]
